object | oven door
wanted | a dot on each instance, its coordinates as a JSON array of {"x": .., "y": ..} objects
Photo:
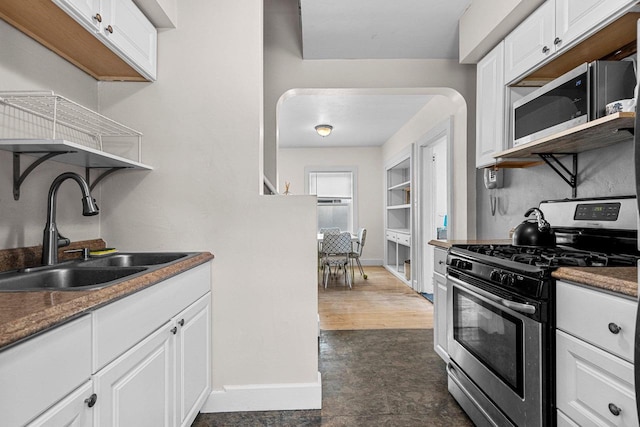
[{"x": 498, "y": 347}]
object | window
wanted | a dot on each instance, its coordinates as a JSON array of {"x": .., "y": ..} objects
[{"x": 335, "y": 190}]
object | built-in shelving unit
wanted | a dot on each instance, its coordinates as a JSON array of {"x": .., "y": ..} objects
[
  {"x": 599, "y": 133},
  {"x": 398, "y": 217},
  {"x": 49, "y": 126}
]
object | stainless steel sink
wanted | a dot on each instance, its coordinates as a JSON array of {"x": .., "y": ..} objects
[
  {"x": 94, "y": 273},
  {"x": 134, "y": 259},
  {"x": 65, "y": 278}
]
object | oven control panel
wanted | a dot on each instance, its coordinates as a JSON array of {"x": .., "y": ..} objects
[{"x": 597, "y": 212}]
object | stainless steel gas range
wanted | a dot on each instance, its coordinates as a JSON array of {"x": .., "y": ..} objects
[{"x": 501, "y": 309}]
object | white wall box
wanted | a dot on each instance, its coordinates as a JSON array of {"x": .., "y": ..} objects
[
  {"x": 398, "y": 217},
  {"x": 594, "y": 357},
  {"x": 43, "y": 131},
  {"x": 490, "y": 110},
  {"x": 440, "y": 303},
  {"x": 108, "y": 39},
  {"x": 557, "y": 26},
  {"x": 146, "y": 359}
]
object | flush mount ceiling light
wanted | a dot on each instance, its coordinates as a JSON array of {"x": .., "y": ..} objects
[{"x": 324, "y": 130}]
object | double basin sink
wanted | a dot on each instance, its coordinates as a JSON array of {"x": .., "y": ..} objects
[{"x": 94, "y": 273}]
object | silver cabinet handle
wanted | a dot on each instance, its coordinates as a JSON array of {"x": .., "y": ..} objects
[
  {"x": 614, "y": 329},
  {"x": 614, "y": 409},
  {"x": 91, "y": 400},
  {"x": 98, "y": 17},
  {"x": 545, "y": 49},
  {"x": 174, "y": 330},
  {"x": 557, "y": 41},
  {"x": 109, "y": 29}
]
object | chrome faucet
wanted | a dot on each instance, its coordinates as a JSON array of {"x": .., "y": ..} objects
[{"x": 52, "y": 239}]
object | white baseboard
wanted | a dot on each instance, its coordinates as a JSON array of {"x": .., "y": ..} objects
[
  {"x": 266, "y": 397},
  {"x": 366, "y": 262}
]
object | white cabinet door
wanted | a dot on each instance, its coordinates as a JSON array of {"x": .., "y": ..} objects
[
  {"x": 137, "y": 389},
  {"x": 575, "y": 18},
  {"x": 85, "y": 12},
  {"x": 130, "y": 34},
  {"x": 72, "y": 411},
  {"x": 490, "y": 132},
  {"x": 193, "y": 359},
  {"x": 531, "y": 42},
  {"x": 593, "y": 387},
  {"x": 440, "y": 316}
]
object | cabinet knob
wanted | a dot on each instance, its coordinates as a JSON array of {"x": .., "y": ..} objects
[
  {"x": 614, "y": 409},
  {"x": 109, "y": 29},
  {"x": 91, "y": 400},
  {"x": 545, "y": 49},
  {"x": 174, "y": 330},
  {"x": 441, "y": 262},
  {"x": 615, "y": 329},
  {"x": 557, "y": 41},
  {"x": 181, "y": 322},
  {"x": 98, "y": 17}
]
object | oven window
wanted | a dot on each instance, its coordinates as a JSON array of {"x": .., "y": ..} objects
[{"x": 491, "y": 335}]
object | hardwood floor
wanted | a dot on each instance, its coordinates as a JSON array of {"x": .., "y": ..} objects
[{"x": 380, "y": 302}]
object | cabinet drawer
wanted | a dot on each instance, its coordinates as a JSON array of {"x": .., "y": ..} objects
[
  {"x": 440, "y": 260},
  {"x": 589, "y": 381},
  {"x": 121, "y": 325},
  {"x": 404, "y": 239},
  {"x": 46, "y": 368},
  {"x": 588, "y": 314},
  {"x": 393, "y": 236},
  {"x": 564, "y": 421}
]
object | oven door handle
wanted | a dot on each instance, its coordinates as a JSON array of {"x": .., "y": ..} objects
[{"x": 515, "y": 306}]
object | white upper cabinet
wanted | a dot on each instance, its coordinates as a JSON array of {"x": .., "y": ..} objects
[
  {"x": 490, "y": 107},
  {"x": 130, "y": 34},
  {"x": 122, "y": 27},
  {"x": 531, "y": 42},
  {"x": 575, "y": 18},
  {"x": 554, "y": 26},
  {"x": 85, "y": 12}
]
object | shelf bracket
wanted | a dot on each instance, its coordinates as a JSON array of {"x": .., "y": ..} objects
[
  {"x": 570, "y": 177},
  {"x": 102, "y": 176},
  {"x": 18, "y": 178}
]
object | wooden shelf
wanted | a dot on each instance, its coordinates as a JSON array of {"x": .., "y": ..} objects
[
  {"x": 402, "y": 186},
  {"x": 595, "y": 134}
]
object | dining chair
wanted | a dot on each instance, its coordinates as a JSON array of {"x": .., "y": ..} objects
[
  {"x": 335, "y": 253},
  {"x": 323, "y": 231},
  {"x": 355, "y": 255}
]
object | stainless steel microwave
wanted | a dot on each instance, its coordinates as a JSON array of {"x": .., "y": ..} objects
[{"x": 572, "y": 99}]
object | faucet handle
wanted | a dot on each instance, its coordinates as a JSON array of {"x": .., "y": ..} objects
[{"x": 85, "y": 252}]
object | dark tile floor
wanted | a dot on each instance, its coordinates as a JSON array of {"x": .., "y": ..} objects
[{"x": 369, "y": 378}]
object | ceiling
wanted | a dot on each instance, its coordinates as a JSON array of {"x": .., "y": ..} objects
[
  {"x": 380, "y": 29},
  {"x": 365, "y": 29},
  {"x": 358, "y": 120}
]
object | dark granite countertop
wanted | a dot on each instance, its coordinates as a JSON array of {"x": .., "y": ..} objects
[{"x": 23, "y": 314}]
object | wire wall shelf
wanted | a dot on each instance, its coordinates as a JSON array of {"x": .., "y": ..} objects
[{"x": 49, "y": 126}]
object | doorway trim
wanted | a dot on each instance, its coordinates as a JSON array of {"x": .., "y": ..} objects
[{"x": 421, "y": 252}]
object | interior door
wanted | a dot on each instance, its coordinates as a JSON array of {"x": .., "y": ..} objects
[{"x": 433, "y": 203}]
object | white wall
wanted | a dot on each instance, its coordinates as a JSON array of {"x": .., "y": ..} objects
[
  {"x": 284, "y": 70},
  {"x": 447, "y": 104},
  {"x": 202, "y": 133},
  {"x": 370, "y": 198},
  {"x": 26, "y": 65}
]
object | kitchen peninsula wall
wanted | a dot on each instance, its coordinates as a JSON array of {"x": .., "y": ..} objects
[{"x": 604, "y": 172}]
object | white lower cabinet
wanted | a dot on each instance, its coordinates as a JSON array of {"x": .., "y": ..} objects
[
  {"x": 594, "y": 369},
  {"x": 440, "y": 303},
  {"x": 144, "y": 360},
  {"x": 137, "y": 388},
  {"x": 72, "y": 411}
]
